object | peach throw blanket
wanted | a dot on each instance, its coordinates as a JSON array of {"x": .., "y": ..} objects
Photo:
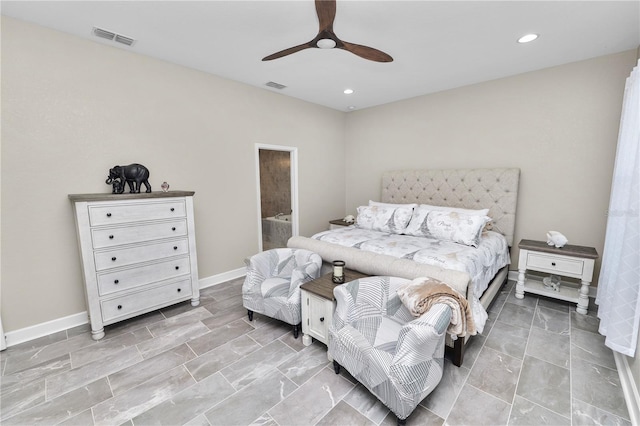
[{"x": 422, "y": 293}]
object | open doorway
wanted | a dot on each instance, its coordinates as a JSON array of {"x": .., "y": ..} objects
[{"x": 277, "y": 183}]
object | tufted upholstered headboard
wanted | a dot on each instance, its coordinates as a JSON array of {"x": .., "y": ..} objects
[{"x": 496, "y": 189}]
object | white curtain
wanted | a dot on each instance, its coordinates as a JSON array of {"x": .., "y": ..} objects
[{"x": 619, "y": 283}]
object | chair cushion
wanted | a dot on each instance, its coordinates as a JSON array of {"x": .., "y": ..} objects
[
  {"x": 275, "y": 287},
  {"x": 387, "y": 335}
]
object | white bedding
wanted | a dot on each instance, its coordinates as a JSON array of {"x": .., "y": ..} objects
[{"x": 481, "y": 263}]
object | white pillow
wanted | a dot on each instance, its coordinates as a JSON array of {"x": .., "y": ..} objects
[
  {"x": 378, "y": 203},
  {"x": 382, "y": 218},
  {"x": 480, "y": 212},
  {"x": 457, "y": 227}
]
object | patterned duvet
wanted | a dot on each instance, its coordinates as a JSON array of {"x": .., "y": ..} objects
[{"x": 481, "y": 263}]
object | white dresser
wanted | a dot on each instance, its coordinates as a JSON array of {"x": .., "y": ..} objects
[{"x": 138, "y": 253}]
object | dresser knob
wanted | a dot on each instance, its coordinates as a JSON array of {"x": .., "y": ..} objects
[
  {"x": 553, "y": 263},
  {"x": 175, "y": 247},
  {"x": 321, "y": 319},
  {"x": 173, "y": 229},
  {"x": 113, "y": 258},
  {"x": 111, "y": 237},
  {"x": 119, "y": 306},
  {"x": 116, "y": 281},
  {"x": 172, "y": 209},
  {"x": 177, "y": 267},
  {"x": 179, "y": 290},
  {"x": 108, "y": 214}
]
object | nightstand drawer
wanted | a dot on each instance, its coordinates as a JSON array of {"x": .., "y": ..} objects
[{"x": 554, "y": 264}]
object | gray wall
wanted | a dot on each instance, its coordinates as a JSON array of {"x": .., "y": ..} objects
[{"x": 72, "y": 108}]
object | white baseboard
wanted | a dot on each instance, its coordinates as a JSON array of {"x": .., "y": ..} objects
[
  {"x": 223, "y": 277},
  {"x": 43, "y": 329},
  {"x": 629, "y": 387}
]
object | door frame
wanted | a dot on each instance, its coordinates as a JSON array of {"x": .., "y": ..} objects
[{"x": 293, "y": 170}]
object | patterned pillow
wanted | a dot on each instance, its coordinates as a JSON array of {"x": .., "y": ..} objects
[
  {"x": 457, "y": 227},
  {"x": 418, "y": 225},
  {"x": 382, "y": 218}
]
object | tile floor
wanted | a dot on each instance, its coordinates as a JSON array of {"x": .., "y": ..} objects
[{"x": 537, "y": 362}]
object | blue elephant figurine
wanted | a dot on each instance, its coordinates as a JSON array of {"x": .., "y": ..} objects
[{"x": 134, "y": 175}]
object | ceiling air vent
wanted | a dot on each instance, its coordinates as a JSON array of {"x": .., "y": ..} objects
[
  {"x": 99, "y": 32},
  {"x": 124, "y": 40},
  {"x": 110, "y": 35},
  {"x": 275, "y": 85}
]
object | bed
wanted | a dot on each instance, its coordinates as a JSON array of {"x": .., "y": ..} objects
[{"x": 433, "y": 223}]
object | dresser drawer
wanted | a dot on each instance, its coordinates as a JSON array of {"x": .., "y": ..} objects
[
  {"x": 554, "y": 264},
  {"x": 111, "y": 237},
  {"x": 144, "y": 301},
  {"x": 126, "y": 279},
  {"x": 144, "y": 253},
  {"x": 106, "y": 214}
]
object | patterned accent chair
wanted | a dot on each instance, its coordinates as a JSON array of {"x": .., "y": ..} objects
[
  {"x": 398, "y": 357},
  {"x": 272, "y": 284}
]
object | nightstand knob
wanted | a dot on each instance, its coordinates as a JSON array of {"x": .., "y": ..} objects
[
  {"x": 173, "y": 229},
  {"x": 172, "y": 209},
  {"x": 116, "y": 281},
  {"x": 321, "y": 319},
  {"x": 553, "y": 263},
  {"x": 108, "y": 214},
  {"x": 119, "y": 306},
  {"x": 179, "y": 290},
  {"x": 177, "y": 267},
  {"x": 111, "y": 237},
  {"x": 113, "y": 258}
]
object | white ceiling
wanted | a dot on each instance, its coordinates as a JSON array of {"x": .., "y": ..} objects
[{"x": 436, "y": 45}]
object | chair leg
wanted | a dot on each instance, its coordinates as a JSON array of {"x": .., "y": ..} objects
[
  {"x": 250, "y": 315},
  {"x": 296, "y": 331},
  {"x": 336, "y": 367},
  {"x": 402, "y": 422}
]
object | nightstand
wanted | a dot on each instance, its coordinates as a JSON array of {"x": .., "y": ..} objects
[
  {"x": 338, "y": 223},
  {"x": 568, "y": 261},
  {"x": 318, "y": 305}
]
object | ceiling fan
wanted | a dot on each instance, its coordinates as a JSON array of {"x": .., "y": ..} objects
[{"x": 327, "y": 39}]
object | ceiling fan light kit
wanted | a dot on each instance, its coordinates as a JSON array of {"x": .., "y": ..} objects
[
  {"x": 326, "y": 43},
  {"x": 327, "y": 39}
]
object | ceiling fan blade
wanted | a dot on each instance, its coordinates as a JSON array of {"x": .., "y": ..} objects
[
  {"x": 326, "y": 10},
  {"x": 366, "y": 52},
  {"x": 288, "y": 51}
]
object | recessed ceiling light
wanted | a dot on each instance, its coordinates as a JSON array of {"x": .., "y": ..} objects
[
  {"x": 527, "y": 38},
  {"x": 348, "y": 91},
  {"x": 351, "y": 107}
]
